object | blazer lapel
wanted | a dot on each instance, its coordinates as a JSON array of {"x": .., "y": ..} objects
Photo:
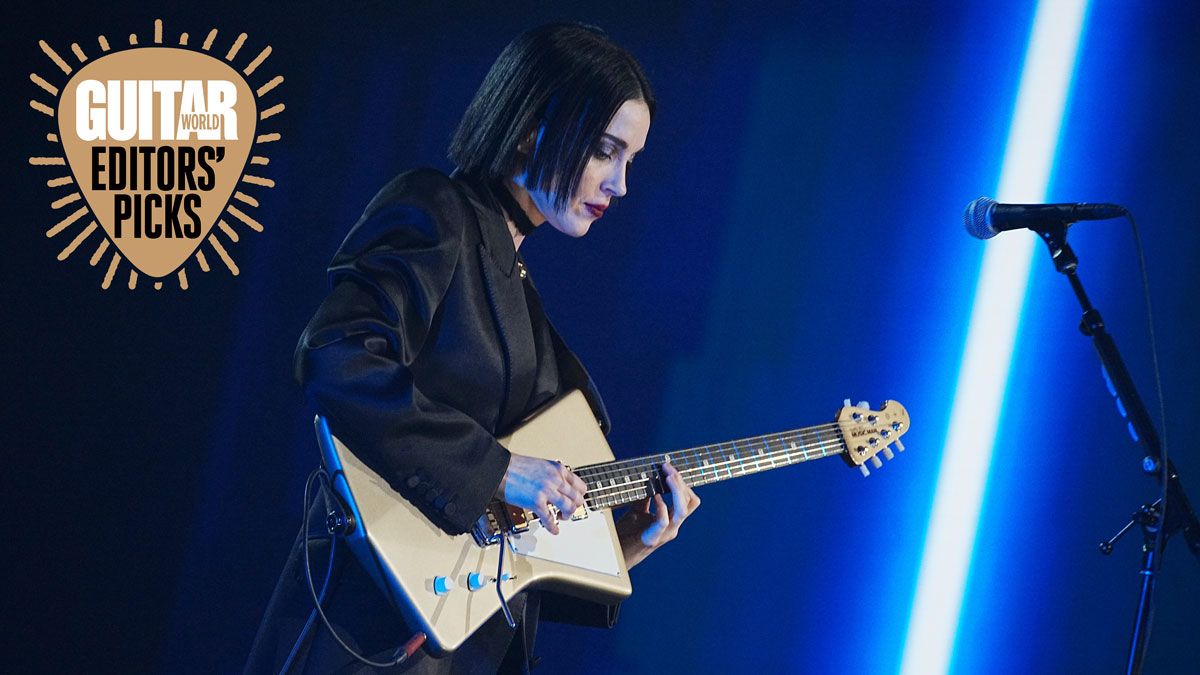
[{"x": 506, "y": 297}]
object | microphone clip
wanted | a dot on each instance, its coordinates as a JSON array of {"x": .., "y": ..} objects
[{"x": 1064, "y": 258}]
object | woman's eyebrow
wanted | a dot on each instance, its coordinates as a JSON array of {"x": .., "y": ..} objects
[{"x": 618, "y": 142}]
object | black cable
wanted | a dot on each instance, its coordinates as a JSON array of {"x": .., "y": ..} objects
[
  {"x": 400, "y": 655},
  {"x": 312, "y": 616},
  {"x": 1162, "y": 406}
]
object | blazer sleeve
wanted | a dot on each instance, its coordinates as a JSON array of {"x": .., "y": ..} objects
[{"x": 354, "y": 358}]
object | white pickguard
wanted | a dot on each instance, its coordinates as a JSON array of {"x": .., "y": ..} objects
[{"x": 585, "y": 544}]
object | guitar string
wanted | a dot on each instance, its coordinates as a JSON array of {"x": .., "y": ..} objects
[
  {"x": 619, "y": 466},
  {"x": 642, "y": 485},
  {"x": 692, "y": 466},
  {"x": 640, "y": 488},
  {"x": 692, "y": 463},
  {"x": 689, "y": 472},
  {"x": 792, "y": 433},
  {"x": 808, "y": 436}
]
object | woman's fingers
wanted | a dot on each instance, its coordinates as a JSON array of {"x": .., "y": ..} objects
[
  {"x": 565, "y": 503},
  {"x": 546, "y": 517},
  {"x": 540, "y": 486},
  {"x": 662, "y": 517}
]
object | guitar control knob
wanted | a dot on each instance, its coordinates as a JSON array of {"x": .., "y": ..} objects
[
  {"x": 476, "y": 581},
  {"x": 443, "y": 585}
]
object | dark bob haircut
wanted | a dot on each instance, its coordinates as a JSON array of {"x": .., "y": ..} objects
[{"x": 564, "y": 81}]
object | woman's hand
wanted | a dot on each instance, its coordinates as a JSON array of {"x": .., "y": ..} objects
[
  {"x": 642, "y": 529},
  {"x": 535, "y": 484}
]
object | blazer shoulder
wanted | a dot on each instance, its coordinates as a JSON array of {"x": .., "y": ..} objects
[{"x": 417, "y": 209}]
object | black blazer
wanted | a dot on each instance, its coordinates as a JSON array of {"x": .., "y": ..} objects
[
  {"x": 429, "y": 345},
  {"x": 432, "y": 342}
]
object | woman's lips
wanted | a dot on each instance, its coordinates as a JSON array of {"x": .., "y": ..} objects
[{"x": 596, "y": 209}]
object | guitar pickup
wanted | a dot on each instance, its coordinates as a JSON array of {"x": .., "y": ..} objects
[{"x": 518, "y": 518}]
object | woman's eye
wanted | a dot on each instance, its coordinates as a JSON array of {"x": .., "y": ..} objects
[{"x": 603, "y": 154}]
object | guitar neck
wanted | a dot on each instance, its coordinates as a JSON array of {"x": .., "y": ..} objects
[{"x": 621, "y": 482}]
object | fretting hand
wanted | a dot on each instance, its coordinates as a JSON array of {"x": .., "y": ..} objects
[{"x": 650, "y": 523}]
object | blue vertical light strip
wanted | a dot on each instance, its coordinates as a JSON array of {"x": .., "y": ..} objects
[{"x": 983, "y": 375}]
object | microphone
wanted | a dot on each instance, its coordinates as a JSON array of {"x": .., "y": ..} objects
[{"x": 985, "y": 218}]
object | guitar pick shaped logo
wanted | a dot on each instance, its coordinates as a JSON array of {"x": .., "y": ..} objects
[{"x": 156, "y": 140}]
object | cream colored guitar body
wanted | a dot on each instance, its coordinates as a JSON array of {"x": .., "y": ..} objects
[{"x": 408, "y": 556}]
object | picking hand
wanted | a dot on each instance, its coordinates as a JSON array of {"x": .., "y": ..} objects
[{"x": 536, "y": 484}]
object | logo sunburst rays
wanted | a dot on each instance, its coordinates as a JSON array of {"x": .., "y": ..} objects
[{"x": 85, "y": 221}]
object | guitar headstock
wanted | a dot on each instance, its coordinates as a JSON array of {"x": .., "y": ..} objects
[{"x": 868, "y": 433}]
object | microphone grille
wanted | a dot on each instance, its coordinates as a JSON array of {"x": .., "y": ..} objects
[{"x": 976, "y": 218}]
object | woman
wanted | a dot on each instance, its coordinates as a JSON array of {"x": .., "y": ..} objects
[{"x": 433, "y": 342}]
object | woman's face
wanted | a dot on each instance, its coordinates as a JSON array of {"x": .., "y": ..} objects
[{"x": 604, "y": 174}]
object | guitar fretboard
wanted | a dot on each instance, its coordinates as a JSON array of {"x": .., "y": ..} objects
[{"x": 624, "y": 481}]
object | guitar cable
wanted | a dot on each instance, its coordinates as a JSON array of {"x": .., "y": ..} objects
[
  {"x": 312, "y": 616},
  {"x": 401, "y": 654}
]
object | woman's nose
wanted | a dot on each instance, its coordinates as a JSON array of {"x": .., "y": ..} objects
[{"x": 615, "y": 185}]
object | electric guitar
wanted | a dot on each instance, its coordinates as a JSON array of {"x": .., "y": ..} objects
[{"x": 448, "y": 585}]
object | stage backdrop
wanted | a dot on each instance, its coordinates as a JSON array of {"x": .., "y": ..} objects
[{"x": 792, "y": 237}]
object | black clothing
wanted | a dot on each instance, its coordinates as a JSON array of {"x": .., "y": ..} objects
[{"x": 431, "y": 343}]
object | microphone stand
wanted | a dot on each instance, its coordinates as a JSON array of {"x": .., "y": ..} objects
[{"x": 1173, "y": 517}]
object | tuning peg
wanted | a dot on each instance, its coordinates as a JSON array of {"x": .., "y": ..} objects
[
  {"x": 865, "y": 471},
  {"x": 899, "y": 445},
  {"x": 846, "y": 402},
  {"x": 875, "y": 461},
  {"x": 887, "y": 453},
  {"x": 864, "y": 405}
]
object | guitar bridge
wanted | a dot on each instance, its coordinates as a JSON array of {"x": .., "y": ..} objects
[{"x": 498, "y": 519}]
